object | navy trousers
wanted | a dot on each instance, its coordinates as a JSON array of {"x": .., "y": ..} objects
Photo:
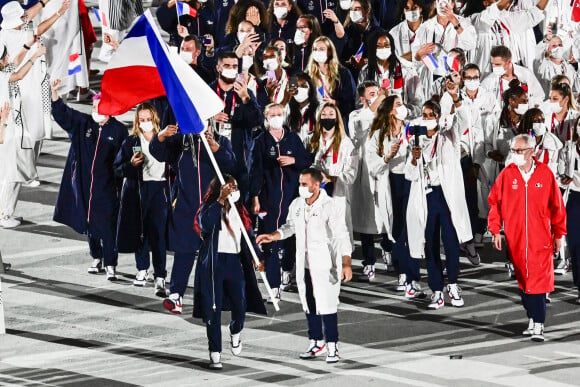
[
  {"x": 228, "y": 281},
  {"x": 535, "y": 305},
  {"x": 573, "y": 237},
  {"x": 439, "y": 225},
  {"x": 182, "y": 266},
  {"x": 104, "y": 248},
  {"x": 154, "y": 212},
  {"x": 316, "y": 321},
  {"x": 470, "y": 186}
]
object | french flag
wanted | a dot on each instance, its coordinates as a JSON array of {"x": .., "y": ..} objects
[
  {"x": 184, "y": 9},
  {"x": 431, "y": 62},
  {"x": 359, "y": 53},
  {"x": 452, "y": 63},
  {"x": 144, "y": 68},
  {"x": 74, "y": 63},
  {"x": 101, "y": 17}
]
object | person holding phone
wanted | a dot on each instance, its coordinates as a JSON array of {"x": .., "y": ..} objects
[
  {"x": 190, "y": 52},
  {"x": 245, "y": 41},
  {"x": 302, "y": 103},
  {"x": 439, "y": 209},
  {"x": 274, "y": 79},
  {"x": 201, "y": 24},
  {"x": 277, "y": 159},
  {"x": 142, "y": 224}
]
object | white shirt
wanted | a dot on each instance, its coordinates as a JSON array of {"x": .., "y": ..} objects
[
  {"x": 230, "y": 242},
  {"x": 153, "y": 170},
  {"x": 429, "y": 155},
  {"x": 527, "y": 175}
]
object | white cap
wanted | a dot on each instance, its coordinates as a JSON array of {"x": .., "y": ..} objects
[{"x": 12, "y": 14}]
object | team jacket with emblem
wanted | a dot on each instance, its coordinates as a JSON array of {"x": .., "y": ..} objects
[
  {"x": 532, "y": 213},
  {"x": 276, "y": 186},
  {"x": 88, "y": 197}
]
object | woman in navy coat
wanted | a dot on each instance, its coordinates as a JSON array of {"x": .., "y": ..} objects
[
  {"x": 224, "y": 275},
  {"x": 88, "y": 198},
  {"x": 145, "y": 202},
  {"x": 188, "y": 158}
]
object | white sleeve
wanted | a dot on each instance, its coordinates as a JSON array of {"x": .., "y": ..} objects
[
  {"x": 288, "y": 229},
  {"x": 339, "y": 232},
  {"x": 467, "y": 40}
]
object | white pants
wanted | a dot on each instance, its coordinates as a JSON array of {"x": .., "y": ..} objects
[{"x": 9, "y": 197}]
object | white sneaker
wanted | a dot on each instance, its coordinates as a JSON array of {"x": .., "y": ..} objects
[
  {"x": 371, "y": 273},
  {"x": 111, "y": 273},
  {"x": 150, "y": 276},
  {"x": 454, "y": 292},
  {"x": 9, "y": 222},
  {"x": 548, "y": 299},
  {"x": 160, "y": 290},
  {"x": 387, "y": 260},
  {"x": 286, "y": 279},
  {"x": 314, "y": 349},
  {"x": 32, "y": 183},
  {"x": 437, "y": 300},
  {"x": 366, "y": 269},
  {"x": 277, "y": 296},
  {"x": 413, "y": 290},
  {"x": 173, "y": 303},
  {"x": 401, "y": 284},
  {"x": 140, "y": 278},
  {"x": 511, "y": 271},
  {"x": 236, "y": 344},
  {"x": 332, "y": 353},
  {"x": 478, "y": 240},
  {"x": 561, "y": 267},
  {"x": 538, "y": 333},
  {"x": 96, "y": 267},
  {"x": 530, "y": 330},
  {"x": 215, "y": 361}
]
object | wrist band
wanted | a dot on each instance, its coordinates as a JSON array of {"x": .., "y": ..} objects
[
  {"x": 31, "y": 62},
  {"x": 26, "y": 47},
  {"x": 58, "y": 14},
  {"x": 42, "y": 3},
  {"x": 458, "y": 26}
]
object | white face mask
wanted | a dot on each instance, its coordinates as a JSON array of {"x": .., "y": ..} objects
[
  {"x": 558, "y": 52},
  {"x": 276, "y": 122},
  {"x": 229, "y": 73},
  {"x": 302, "y": 94},
  {"x": 319, "y": 56},
  {"x": 235, "y": 196},
  {"x": 247, "y": 62},
  {"x": 401, "y": 112},
  {"x": 441, "y": 6},
  {"x": 412, "y": 16},
  {"x": 270, "y": 64},
  {"x": 539, "y": 128},
  {"x": 241, "y": 36},
  {"x": 345, "y": 4},
  {"x": 522, "y": 108},
  {"x": 471, "y": 84},
  {"x": 186, "y": 56},
  {"x": 146, "y": 126},
  {"x": 280, "y": 12},
  {"x": 356, "y": 16},
  {"x": 429, "y": 124},
  {"x": 519, "y": 160},
  {"x": 498, "y": 70},
  {"x": 299, "y": 38},
  {"x": 98, "y": 118},
  {"x": 304, "y": 192},
  {"x": 383, "y": 53},
  {"x": 555, "y": 107},
  {"x": 283, "y": 54},
  {"x": 202, "y": 1},
  {"x": 372, "y": 100}
]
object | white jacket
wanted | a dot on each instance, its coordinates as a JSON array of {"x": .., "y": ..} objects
[
  {"x": 321, "y": 242},
  {"x": 448, "y": 153},
  {"x": 535, "y": 91}
]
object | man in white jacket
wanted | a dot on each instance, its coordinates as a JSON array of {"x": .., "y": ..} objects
[{"x": 322, "y": 260}]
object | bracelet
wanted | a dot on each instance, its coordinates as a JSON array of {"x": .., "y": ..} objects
[
  {"x": 26, "y": 47},
  {"x": 58, "y": 14},
  {"x": 42, "y": 3},
  {"x": 458, "y": 26},
  {"x": 31, "y": 62}
]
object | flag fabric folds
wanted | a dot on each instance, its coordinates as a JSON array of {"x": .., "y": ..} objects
[
  {"x": 185, "y": 9},
  {"x": 144, "y": 68}
]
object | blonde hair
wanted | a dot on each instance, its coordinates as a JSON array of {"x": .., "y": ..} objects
[
  {"x": 273, "y": 105},
  {"x": 333, "y": 65},
  {"x": 154, "y": 118},
  {"x": 339, "y": 132}
]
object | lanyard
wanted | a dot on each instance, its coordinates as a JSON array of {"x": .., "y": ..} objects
[
  {"x": 334, "y": 155},
  {"x": 310, "y": 122},
  {"x": 279, "y": 88},
  {"x": 501, "y": 86},
  {"x": 562, "y": 128},
  {"x": 302, "y": 58},
  {"x": 233, "y": 107}
]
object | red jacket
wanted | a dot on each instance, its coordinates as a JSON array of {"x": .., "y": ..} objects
[{"x": 532, "y": 215}]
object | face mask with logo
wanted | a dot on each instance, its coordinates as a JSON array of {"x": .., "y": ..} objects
[
  {"x": 555, "y": 107},
  {"x": 186, "y": 56},
  {"x": 98, "y": 118},
  {"x": 280, "y": 12},
  {"x": 539, "y": 128},
  {"x": 345, "y": 4},
  {"x": 383, "y": 53},
  {"x": 412, "y": 16},
  {"x": 319, "y": 56},
  {"x": 429, "y": 124},
  {"x": 302, "y": 94},
  {"x": 304, "y": 192},
  {"x": 471, "y": 84},
  {"x": 241, "y": 36},
  {"x": 146, "y": 126},
  {"x": 327, "y": 123},
  {"x": 519, "y": 160},
  {"x": 521, "y": 109},
  {"x": 247, "y": 62},
  {"x": 356, "y": 16},
  {"x": 270, "y": 64},
  {"x": 299, "y": 37},
  {"x": 229, "y": 73},
  {"x": 235, "y": 196},
  {"x": 498, "y": 70},
  {"x": 401, "y": 112},
  {"x": 276, "y": 122}
]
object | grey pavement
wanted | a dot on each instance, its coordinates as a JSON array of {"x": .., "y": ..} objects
[{"x": 66, "y": 327}]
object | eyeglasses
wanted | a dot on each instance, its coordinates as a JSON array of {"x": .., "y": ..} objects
[{"x": 520, "y": 151}]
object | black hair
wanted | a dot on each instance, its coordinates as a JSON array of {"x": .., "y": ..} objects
[
  {"x": 365, "y": 85},
  {"x": 314, "y": 173},
  {"x": 295, "y": 116},
  {"x": 500, "y": 52},
  {"x": 372, "y": 54},
  {"x": 470, "y": 66},
  {"x": 526, "y": 123},
  {"x": 473, "y": 7},
  {"x": 227, "y": 55},
  {"x": 515, "y": 90},
  {"x": 420, "y": 3},
  {"x": 189, "y": 38},
  {"x": 433, "y": 106}
]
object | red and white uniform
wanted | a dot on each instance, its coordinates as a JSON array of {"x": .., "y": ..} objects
[{"x": 533, "y": 213}]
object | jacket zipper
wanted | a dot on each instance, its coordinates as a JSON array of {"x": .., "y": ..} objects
[
  {"x": 93, "y": 174},
  {"x": 526, "y": 203},
  {"x": 307, "y": 256},
  {"x": 212, "y": 270},
  {"x": 281, "y": 190},
  {"x": 199, "y": 168}
]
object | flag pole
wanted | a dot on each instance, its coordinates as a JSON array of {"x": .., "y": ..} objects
[
  {"x": 244, "y": 232},
  {"x": 177, "y": 12}
]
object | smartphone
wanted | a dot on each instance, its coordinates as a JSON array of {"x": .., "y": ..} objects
[
  {"x": 261, "y": 37},
  {"x": 205, "y": 40},
  {"x": 240, "y": 78},
  {"x": 137, "y": 149},
  {"x": 271, "y": 74},
  {"x": 293, "y": 81},
  {"x": 386, "y": 83}
]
